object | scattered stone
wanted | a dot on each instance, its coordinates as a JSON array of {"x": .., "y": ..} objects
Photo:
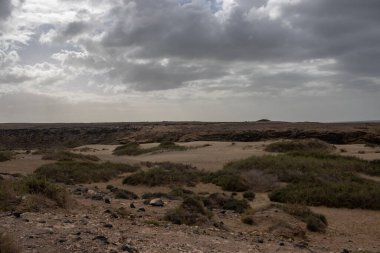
[
  {"x": 107, "y": 200},
  {"x": 102, "y": 239},
  {"x": 301, "y": 245},
  {"x": 260, "y": 240},
  {"x": 108, "y": 225},
  {"x": 156, "y": 202},
  {"x": 17, "y": 214},
  {"x": 128, "y": 248},
  {"x": 282, "y": 244},
  {"x": 141, "y": 209},
  {"x": 346, "y": 251},
  {"x": 97, "y": 197},
  {"x": 132, "y": 205}
]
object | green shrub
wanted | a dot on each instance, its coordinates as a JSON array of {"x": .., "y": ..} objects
[
  {"x": 82, "y": 172},
  {"x": 69, "y": 156},
  {"x": 33, "y": 189},
  {"x": 124, "y": 194},
  {"x": 249, "y": 195},
  {"x": 236, "y": 205},
  {"x": 221, "y": 200},
  {"x": 229, "y": 181},
  {"x": 134, "y": 149},
  {"x": 191, "y": 212},
  {"x": 306, "y": 145},
  {"x": 165, "y": 174},
  {"x": 315, "y": 225},
  {"x": 354, "y": 193},
  {"x": 314, "y": 222},
  {"x": 5, "y": 156},
  {"x": 248, "y": 220}
]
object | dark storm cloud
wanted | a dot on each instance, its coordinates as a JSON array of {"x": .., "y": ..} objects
[
  {"x": 155, "y": 76},
  {"x": 347, "y": 31},
  {"x": 5, "y": 8},
  {"x": 165, "y": 28}
]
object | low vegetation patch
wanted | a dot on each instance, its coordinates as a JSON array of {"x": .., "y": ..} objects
[
  {"x": 5, "y": 156},
  {"x": 31, "y": 193},
  {"x": 354, "y": 193},
  {"x": 134, "y": 149},
  {"x": 222, "y": 201},
  {"x": 69, "y": 156},
  {"x": 306, "y": 145},
  {"x": 122, "y": 193},
  {"x": 314, "y": 222},
  {"x": 312, "y": 179},
  {"x": 82, "y": 172},
  {"x": 166, "y": 174},
  {"x": 249, "y": 195},
  {"x": 191, "y": 212},
  {"x": 248, "y": 220}
]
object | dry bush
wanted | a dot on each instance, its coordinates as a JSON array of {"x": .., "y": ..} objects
[
  {"x": 5, "y": 156},
  {"x": 307, "y": 145},
  {"x": 8, "y": 244},
  {"x": 191, "y": 212}
]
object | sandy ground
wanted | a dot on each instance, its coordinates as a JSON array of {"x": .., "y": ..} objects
[{"x": 348, "y": 229}]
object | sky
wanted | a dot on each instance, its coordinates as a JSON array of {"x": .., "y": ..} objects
[{"x": 185, "y": 60}]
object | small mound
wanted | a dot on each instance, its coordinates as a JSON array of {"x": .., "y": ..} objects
[{"x": 307, "y": 145}]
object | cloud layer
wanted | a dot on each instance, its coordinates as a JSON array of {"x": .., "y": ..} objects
[{"x": 212, "y": 52}]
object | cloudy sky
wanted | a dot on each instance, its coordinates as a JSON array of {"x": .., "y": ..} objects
[{"x": 210, "y": 60}]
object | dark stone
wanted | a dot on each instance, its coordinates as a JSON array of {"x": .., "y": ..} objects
[
  {"x": 108, "y": 226},
  {"x": 128, "y": 248},
  {"x": 102, "y": 239},
  {"x": 282, "y": 244},
  {"x": 17, "y": 214},
  {"x": 346, "y": 251},
  {"x": 141, "y": 209},
  {"x": 132, "y": 205},
  {"x": 260, "y": 240},
  {"x": 107, "y": 201},
  {"x": 301, "y": 245},
  {"x": 97, "y": 197}
]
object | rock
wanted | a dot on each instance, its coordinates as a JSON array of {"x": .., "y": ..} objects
[
  {"x": 108, "y": 226},
  {"x": 346, "y": 251},
  {"x": 97, "y": 197},
  {"x": 17, "y": 214},
  {"x": 301, "y": 245},
  {"x": 260, "y": 240},
  {"x": 128, "y": 248},
  {"x": 282, "y": 244},
  {"x": 156, "y": 202},
  {"x": 102, "y": 239},
  {"x": 107, "y": 200},
  {"x": 141, "y": 209},
  {"x": 132, "y": 205}
]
